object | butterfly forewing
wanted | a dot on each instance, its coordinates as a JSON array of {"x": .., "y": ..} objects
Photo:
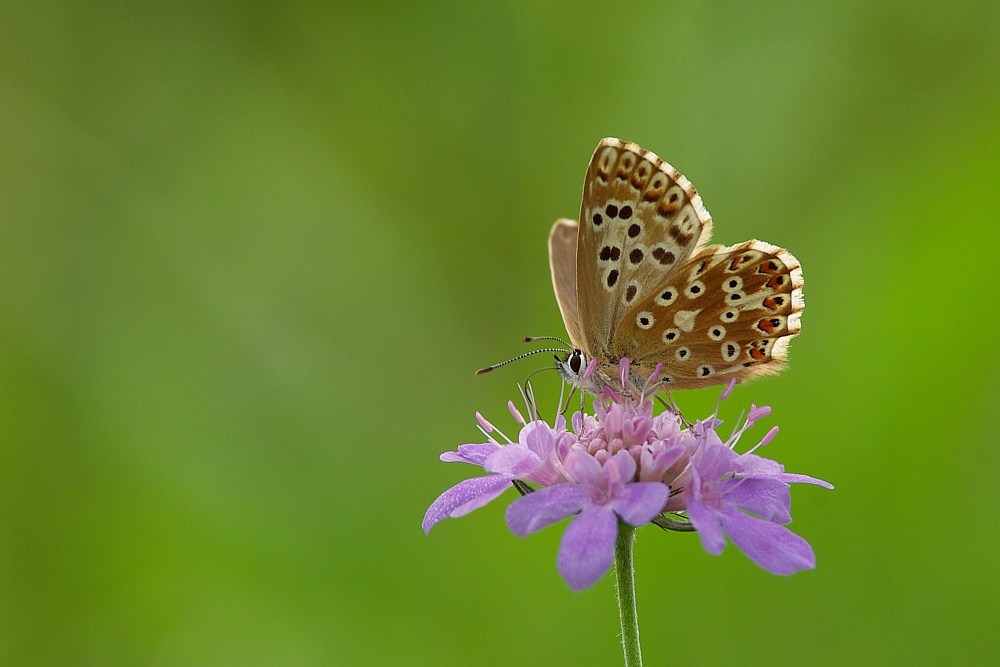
[
  {"x": 640, "y": 221},
  {"x": 646, "y": 287},
  {"x": 726, "y": 312},
  {"x": 562, "y": 262}
]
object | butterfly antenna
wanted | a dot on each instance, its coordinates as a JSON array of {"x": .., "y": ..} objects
[
  {"x": 532, "y": 339},
  {"x": 517, "y": 358}
]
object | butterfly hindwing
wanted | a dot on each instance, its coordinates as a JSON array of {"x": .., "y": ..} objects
[
  {"x": 727, "y": 312},
  {"x": 639, "y": 221}
]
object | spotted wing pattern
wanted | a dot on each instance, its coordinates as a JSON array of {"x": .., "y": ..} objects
[
  {"x": 640, "y": 221},
  {"x": 727, "y": 312}
]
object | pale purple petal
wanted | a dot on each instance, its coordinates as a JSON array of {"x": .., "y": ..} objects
[
  {"x": 758, "y": 467},
  {"x": 753, "y": 465},
  {"x": 538, "y": 437},
  {"x": 652, "y": 466},
  {"x": 716, "y": 462},
  {"x": 544, "y": 507},
  {"x": 516, "y": 460},
  {"x": 706, "y": 522},
  {"x": 464, "y": 497},
  {"x": 474, "y": 454},
  {"x": 638, "y": 503},
  {"x": 792, "y": 478},
  {"x": 476, "y": 503},
  {"x": 585, "y": 469},
  {"x": 767, "y": 498},
  {"x": 587, "y": 548},
  {"x": 636, "y": 429},
  {"x": 772, "y": 546},
  {"x": 626, "y": 465}
]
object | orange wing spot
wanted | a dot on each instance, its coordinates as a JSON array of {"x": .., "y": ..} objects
[
  {"x": 776, "y": 282},
  {"x": 758, "y": 354},
  {"x": 667, "y": 209},
  {"x": 704, "y": 265},
  {"x": 765, "y": 325},
  {"x": 770, "y": 304},
  {"x": 735, "y": 264},
  {"x": 768, "y": 267}
]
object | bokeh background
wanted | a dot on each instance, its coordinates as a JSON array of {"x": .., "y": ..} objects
[{"x": 251, "y": 253}]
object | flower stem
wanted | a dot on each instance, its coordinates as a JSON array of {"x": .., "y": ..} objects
[{"x": 625, "y": 585}]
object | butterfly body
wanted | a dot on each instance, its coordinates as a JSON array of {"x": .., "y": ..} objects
[{"x": 635, "y": 278}]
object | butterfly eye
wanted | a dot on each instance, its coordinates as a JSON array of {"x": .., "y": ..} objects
[{"x": 576, "y": 361}]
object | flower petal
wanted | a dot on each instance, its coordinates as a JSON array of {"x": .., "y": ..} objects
[
  {"x": 475, "y": 454},
  {"x": 515, "y": 459},
  {"x": 585, "y": 469},
  {"x": 792, "y": 478},
  {"x": 772, "y": 546},
  {"x": 767, "y": 498},
  {"x": 717, "y": 461},
  {"x": 587, "y": 548},
  {"x": 758, "y": 467},
  {"x": 706, "y": 521},
  {"x": 543, "y": 507},
  {"x": 538, "y": 437},
  {"x": 653, "y": 465},
  {"x": 626, "y": 465},
  {"x": 639, "y": 502},
  {"x": 464, "y": 497}
]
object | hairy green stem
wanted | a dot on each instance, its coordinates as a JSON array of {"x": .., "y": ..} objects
[{"x": 625, "y": 586}]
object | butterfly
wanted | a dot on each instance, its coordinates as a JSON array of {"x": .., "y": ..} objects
[{"x": 635, "y": 278}]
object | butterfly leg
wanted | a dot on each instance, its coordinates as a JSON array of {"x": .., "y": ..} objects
[{"x": 672, "y": 406}]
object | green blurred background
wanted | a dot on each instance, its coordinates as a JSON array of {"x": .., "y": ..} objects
[{"x": 251, "y": 253}]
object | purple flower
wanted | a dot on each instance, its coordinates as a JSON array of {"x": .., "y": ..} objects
[
  {"x": 724, "y": 484},
  {"x": 532, "y": 458},
  {"x": 623, "y": 463},
  {"x": 599, "y": 495}
]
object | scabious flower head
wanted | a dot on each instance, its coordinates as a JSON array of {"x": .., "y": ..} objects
[{"x": 623, "y": 463}]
